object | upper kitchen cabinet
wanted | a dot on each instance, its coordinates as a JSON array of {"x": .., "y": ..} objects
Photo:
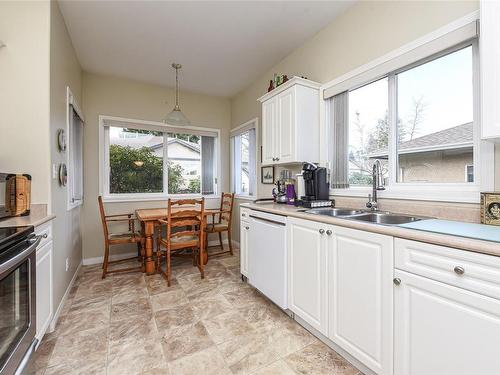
[
  {"x": 489, "y": 44},
  {"x": 290, "y": 123}
]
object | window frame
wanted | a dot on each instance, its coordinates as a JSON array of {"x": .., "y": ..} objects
[
  {"x": 240, "y": 129},
  {"x": 104, "y": 169},
  {"x": 483, "y": 151},
  {"x": 72, "y": 105}
]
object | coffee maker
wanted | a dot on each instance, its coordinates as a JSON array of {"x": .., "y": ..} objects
[{"x": 316, "y": 186}]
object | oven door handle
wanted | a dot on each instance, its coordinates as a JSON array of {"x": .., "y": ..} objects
[{"x": 34, "y": 241}]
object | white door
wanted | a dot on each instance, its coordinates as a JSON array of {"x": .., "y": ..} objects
[
  {"x": 244, "y": 228},
  {"x": 286, "y": 126},
  {"x": 269, "y": 124},
  {"x": 360, "y": 296},
  {"x": 43, "y": 289},
  {"x": 444, "y": 330},
  {"x": 307, "y": 296}
]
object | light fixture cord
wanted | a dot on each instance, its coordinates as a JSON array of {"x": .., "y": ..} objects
[{"x": 176, "y": 87}]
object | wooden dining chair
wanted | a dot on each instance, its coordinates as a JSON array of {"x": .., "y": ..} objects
[
  {"x": 184, "y": 231},
  {"x": 221, "y": 222},
  {"x": 110, "y": 239}
]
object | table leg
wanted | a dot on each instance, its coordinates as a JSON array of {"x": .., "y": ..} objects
[{"x": 148, "y": 234}]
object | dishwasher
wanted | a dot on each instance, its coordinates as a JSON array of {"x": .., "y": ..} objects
[{"x": 267, "y": 256}]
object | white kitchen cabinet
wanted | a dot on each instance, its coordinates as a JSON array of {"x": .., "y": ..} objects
[
  {"x": 290, "y": 123},
  {"x": 307, "y": 269},
  {"x": 361, "y": 296},
  {"x": 443, "y": 330},
  {"x": 44, "y": 309},
  {"x": 244, "y": 228},
  {"x": 489, "y": 45}
]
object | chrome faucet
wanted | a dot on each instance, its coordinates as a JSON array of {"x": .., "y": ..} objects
[{"x": 377, "y": 184}]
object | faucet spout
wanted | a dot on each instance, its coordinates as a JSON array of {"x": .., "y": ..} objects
[{"x": 377, "y": 184}]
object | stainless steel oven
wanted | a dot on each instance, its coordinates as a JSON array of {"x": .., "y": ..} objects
[{"x": 17, "y": 298}]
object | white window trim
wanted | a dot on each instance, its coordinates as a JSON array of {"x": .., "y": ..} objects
[
  {"x": 484, "y": 155},
  {"x": 104, "y": 122},
  {"x": 71, "y": 100},
  {"x": 251, "y": 124}
]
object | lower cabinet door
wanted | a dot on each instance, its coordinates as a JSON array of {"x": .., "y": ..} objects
[
  {"x": 307, "y": 264},
  {"x": 244, "y": 228},
  {"x": 361, "y": 296},
  {"x": 444, "y": 330},
  {"x": 43, "y": 289}
]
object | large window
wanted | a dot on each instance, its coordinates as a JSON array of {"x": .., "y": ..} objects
[
  {"x": 153, "y": 160},
  {"x": 418, "y": 121},
  {"x": 243, "y": 160}
]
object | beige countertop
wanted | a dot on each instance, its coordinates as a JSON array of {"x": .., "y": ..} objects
[
  {"x": 479, "y": 246},
  {"x": 38, "y": 215}
]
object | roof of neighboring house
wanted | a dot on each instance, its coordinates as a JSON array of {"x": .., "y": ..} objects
[
  {"x": 452, "y": 138},
  {"x": 191, "y": 145}
]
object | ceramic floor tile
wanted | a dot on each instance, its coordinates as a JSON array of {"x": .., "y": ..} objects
[
  {"x": 319, "y": 359},
  {"x": 168, "y": 299},
  {"x": 86, "y": 368},
  {"x": 157, "y": 284},
  {"x": 82, "y": 321},
  {"x": 211, "y": 307},
  {"x": 277, "y": 368},
  {"x": 134, "y": 330},
  {"x": 130, "y": 293},
  {"x": 174, "y": 317},
  {"x": 226, "y": 326},
  {"x": 131, "y": 309},
  {"x": 185, "y": 340},
  {"x": 206, "y": 362},
  {"x": 136, "y": 359}
]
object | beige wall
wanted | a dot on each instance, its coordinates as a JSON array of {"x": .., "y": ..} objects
[
  {"x": 64, "y": 71},
  {"x": 24, "y": 93},
  {"x": 367, "y": 30},
  {"x": 103, "y": 95}
]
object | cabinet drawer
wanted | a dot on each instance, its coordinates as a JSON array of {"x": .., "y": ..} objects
[
  {"x": 44, "y": 230},
  {"x": 476, "y": 272},
  {"x": 244, "y": 214}
]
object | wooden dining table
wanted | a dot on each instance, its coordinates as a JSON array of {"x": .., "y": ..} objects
[{"x": 148, "y": 217}]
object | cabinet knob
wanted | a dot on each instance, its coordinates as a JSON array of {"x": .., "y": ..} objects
[
  {"x": 45, "y": 235},
  {"x": 277, "y": 159},
  {"x": 329, "y": 232},
  {"x": 321, "y": 231},
  {"x": 396, "y": 281},
  {"x": 247, "y": 228},
  {"x": 459, "y": 270}
]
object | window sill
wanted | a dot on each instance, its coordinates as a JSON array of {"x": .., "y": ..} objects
[
  {"x": 458, "y": 193},
  {"x": 119, "y": 199}
]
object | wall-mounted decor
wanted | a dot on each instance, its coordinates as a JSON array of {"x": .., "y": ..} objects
[
  {"x": 63, "y": 174},
  {"x": 267, "y": 175},
  {"x": 490, "y": 208},
  {"x": 61, "y": 140}
]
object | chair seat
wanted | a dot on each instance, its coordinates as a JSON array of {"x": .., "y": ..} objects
[
  {"x": 183, "y": 239},
  {"x": 115, "y": 236},
  {"x": 217, "y": 227}
]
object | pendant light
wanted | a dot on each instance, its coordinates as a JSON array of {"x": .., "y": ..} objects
[{"x": 176, "y": 117}]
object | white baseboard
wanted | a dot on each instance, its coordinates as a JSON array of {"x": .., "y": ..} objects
[{"x": 53, "y": 322}]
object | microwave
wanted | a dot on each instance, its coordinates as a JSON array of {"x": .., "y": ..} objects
[{"x": 15, "y": 194}]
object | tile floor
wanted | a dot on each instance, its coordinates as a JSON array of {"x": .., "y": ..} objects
[{"x": 134, "y": 324}]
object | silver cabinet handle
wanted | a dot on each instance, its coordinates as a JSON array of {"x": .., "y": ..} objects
[
  {"x": 329, "y": 232},
  {"x": 396, "y": 281},
  {"x": 45, "y": 235},
  {"x": 321, "y": 231},
  {"x": 459, "y": 270}
]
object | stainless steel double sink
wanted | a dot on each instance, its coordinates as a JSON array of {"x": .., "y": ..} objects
[{"x": 376, "y": 217}]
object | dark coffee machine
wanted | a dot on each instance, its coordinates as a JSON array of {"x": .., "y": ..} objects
[{"x": 316, "y": 184}]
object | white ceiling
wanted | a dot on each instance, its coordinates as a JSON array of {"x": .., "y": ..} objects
[{"x": 223, "y": 46}]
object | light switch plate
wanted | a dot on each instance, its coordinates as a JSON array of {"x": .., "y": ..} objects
[{"x": 54, "y": 171}]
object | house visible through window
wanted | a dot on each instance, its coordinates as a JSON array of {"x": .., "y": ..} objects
[
  {"x": 427, "y": 108},
  {"x": 145, "y": 161},
  {"x": 244, "y": 162}
]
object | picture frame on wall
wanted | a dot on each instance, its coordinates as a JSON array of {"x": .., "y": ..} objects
[{"x": 267, "y": 175}]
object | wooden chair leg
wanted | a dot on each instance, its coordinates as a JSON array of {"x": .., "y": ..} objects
[
  {"x": 220, "y": 241},
  {"x": 167, "y": 254},
  {"x": 105, "y": 261},
  {"x": 230, "y": 242},
  {"x": 201, "y": 266}
]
